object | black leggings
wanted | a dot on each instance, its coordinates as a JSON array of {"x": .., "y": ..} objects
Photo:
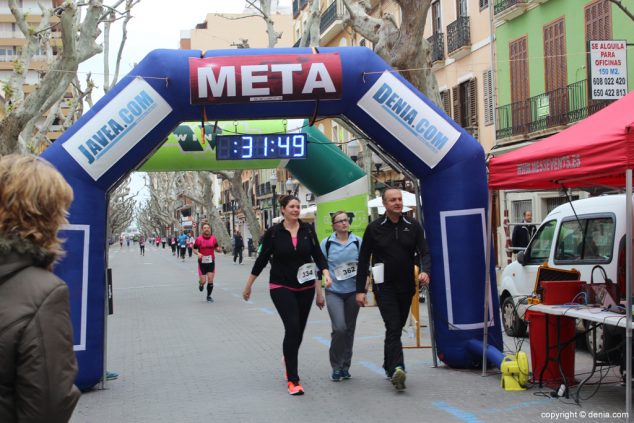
[{"x": 293, "y": 307}]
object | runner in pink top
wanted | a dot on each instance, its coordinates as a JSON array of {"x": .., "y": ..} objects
[{"x": 205, "y": 246}]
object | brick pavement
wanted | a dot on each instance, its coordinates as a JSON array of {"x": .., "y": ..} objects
[{"x": 181, "y": 359}]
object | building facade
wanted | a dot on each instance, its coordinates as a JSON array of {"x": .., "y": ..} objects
[
  {"x": 459, "y": 33},
  {"x": 542, "y": 83}
]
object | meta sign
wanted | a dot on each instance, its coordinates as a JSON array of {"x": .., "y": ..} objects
[
  {"x": 280, "y": 77},
  {"x": 608, "y": 69}
]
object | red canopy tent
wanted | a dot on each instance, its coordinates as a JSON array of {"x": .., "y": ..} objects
[
  {"x": 595, "y": 151},
  {"x": 598, "y": 150}
]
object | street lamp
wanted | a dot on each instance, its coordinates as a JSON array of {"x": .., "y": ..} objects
[
  {"x": 233, "y": 215},
  {"x": 273, "y": 180},
  {"x": 378, "y": 162},
  {"x": 353, "y": 150},
  {"x": 291, "y": 187}
]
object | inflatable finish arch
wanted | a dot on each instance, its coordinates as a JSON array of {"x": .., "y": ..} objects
[{"x": 173, "y": 86}]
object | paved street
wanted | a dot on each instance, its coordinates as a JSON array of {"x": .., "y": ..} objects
[{"x": 181, "y": 359}]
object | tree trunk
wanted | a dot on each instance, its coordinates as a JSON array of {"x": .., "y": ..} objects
[
  {"x": 238, "y": 192},
  {"x": 402, "y": 47}
]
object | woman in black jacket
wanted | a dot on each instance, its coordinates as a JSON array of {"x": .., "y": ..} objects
[{"x": 293, "y": 250}]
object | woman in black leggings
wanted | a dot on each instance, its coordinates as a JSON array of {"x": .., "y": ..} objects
[{"x": 293, "y": 250}]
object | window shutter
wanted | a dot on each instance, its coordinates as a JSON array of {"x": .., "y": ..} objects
[
  {"x": 446, "y": 102},
  {"x": 473, "y": 103},
  {"x": 455, "y": 97},
  {"x": 487, "y": 89},
  {"x": 518, "y": 55},
  {"x": 555, "y": 55},
  {"x": 598, "y": 21},
  {"x": 472, "y": 118}
]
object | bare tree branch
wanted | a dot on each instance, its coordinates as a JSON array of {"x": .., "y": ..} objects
[
  {"x": 78, "y": 44},
  {"x": 625, "y": 10},
  {"x": 236, "y": 17}
]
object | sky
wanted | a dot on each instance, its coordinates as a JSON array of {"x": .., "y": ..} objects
[{"x": 156, "y": 24}]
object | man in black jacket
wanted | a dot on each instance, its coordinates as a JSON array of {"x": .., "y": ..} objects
[
  {"x": 399, "y": 243},
  {"x": 238, "y": 246},
  {"x": 523, "y": 233}
]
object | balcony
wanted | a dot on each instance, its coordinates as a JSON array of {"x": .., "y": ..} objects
[
  {"x": 298, "y": 5},
  {"x": 437, "y": 42},
  {"x": 459, "y": 38},
  {"x": 505, "y": 10},
  {"x": 546, "y": 113},
  {"x": 332, "y": 21}
]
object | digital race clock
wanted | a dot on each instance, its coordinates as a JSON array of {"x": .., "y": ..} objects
[{"x": 261, "y": 146}]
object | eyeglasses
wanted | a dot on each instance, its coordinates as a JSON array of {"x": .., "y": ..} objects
[{"x": 341, "y": 221}]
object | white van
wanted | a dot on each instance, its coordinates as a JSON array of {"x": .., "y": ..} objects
[{"x": 577, "y": 235}]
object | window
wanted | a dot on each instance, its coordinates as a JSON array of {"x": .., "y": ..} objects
[
  {"x": 465, "y": 106},
  {"x": 553, "y": 202},
  {"x": 585, "y": 240},
  {"x": 436, "y": 22},
  {"x": 518, "y": 208},
  {"x": 538, "y": 250},
  {"x": 487, "y": 82},
  {"x": 518, "y": 55},
  {"x": 598, "y": 21},
  {"x": 556, "y": 72},
  {"x": 484, "y": 4},
  {"x": 461, "y": 8}
]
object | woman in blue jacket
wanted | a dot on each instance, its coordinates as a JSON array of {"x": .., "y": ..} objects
[{"x": 341, "y": 250}]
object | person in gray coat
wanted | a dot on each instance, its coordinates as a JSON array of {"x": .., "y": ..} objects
[{"x": 37, "y": 361}]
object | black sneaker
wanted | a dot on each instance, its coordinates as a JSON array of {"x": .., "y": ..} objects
[
  {"x": 209, "y": 299},
  {"x": 346, "y": 374},
  {"x": 201, "y": 286}
]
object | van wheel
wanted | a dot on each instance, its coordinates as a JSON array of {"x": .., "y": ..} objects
[
  {"x": 513, "y": 325},
  {"x": 607, "y": 342}
]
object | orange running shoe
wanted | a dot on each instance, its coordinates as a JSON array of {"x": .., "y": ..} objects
[{"x": 295, "y": 388}]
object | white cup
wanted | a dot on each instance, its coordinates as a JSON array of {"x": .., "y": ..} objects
[{"x": 377, "y": 272}]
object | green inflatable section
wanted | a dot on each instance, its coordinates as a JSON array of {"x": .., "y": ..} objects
[
  {"x": 326, "y": 168},
  {"x": 184, "y": 150}
]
